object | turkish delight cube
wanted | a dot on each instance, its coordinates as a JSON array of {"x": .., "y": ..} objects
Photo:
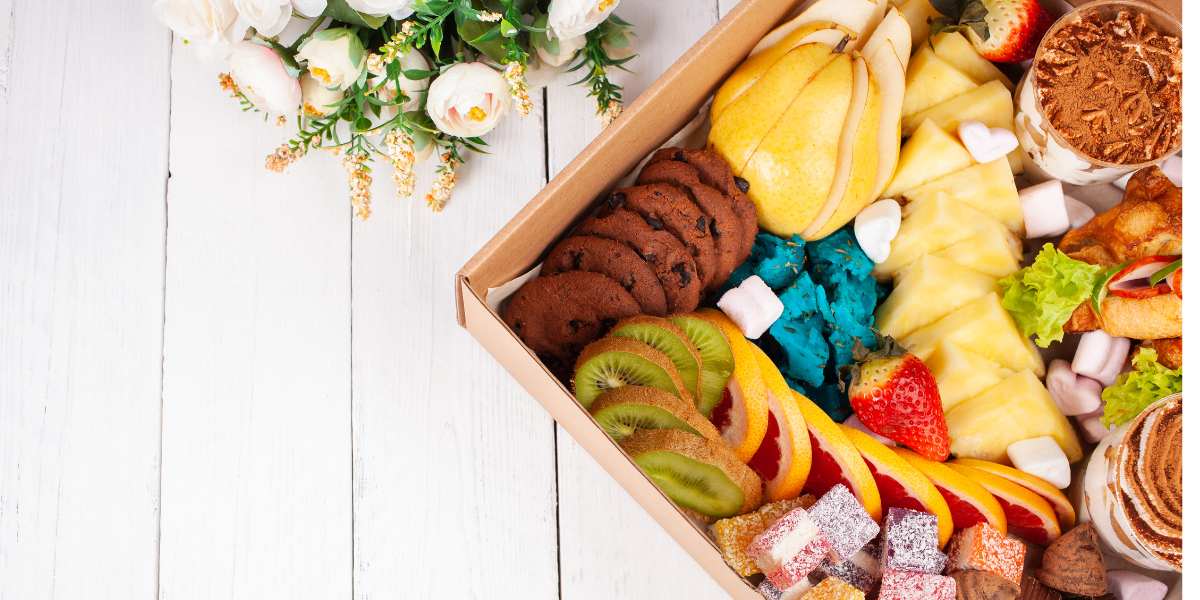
[
  {"x": 982, "y": 547},
  {"x": 833, "y": 588},
  {"x": 910, "y": 542},
  {"x": 909, "y": 585},
  {"x": 774, "y": 511},
  {"x": 861, "y": 570},
  {"x": 790, "y": 549},
  {"x": 844, "y": 521},
  {"x": 733, "y": 535}
]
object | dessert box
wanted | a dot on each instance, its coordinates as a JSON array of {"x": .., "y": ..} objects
[{"x": 512, "y": 256}]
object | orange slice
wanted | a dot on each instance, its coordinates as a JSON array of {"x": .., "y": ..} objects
[
  {"x": 900, "y": 484},
  {"x": 969, "y": 502},
  {"x": 1062, "y": 507},
  {"x": 835, "y": 460},
  {"x": 741, "y": 415},
  {"x": 1028, "y": 515},
  {"x": 785, "y": 455}
]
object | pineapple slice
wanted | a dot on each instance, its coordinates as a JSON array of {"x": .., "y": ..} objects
[
  {"x": 918, "y": 13},
  {"x": 930, "y": 81},
  {"x": 955, "y": 49},
  {"x": 988, "y": 188},
  {"x": 962, "y": 374},
  {"x": 928, "y": 155},
  {"x": 928, "y": 290},
  {"x": 1016, "y": 409},
  {"x": 989, "y": 103},
  {"x": 936, "y": 224},
  {"x": 981, "y": 326},
  {"x": 995, "y": 252}
]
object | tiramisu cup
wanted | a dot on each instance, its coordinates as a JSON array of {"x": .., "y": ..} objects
[
  {"x": 1133, "y": 487},
  {"x": 1103, "y": 95}
]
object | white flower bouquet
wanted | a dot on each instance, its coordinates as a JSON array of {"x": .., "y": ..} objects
[{"x": 400, "y": 78}]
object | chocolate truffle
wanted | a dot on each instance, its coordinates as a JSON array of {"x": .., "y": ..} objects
[
  {"x": 1073, "y": 563},
  {"x": 981, "y": 585}
]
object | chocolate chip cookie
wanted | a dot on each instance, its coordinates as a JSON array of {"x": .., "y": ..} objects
[
  {"x": 557, "y": 315},
  {"x": 671, "y": 261},
  {"x": 615, "y": 260},
  {"x": 731, "y": 243},
  {"x": 716, "y": 173},
  {"x": 664, "y": 206}
]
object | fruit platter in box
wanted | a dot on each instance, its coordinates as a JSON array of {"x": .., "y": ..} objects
[{"x": 899, "y": 314}]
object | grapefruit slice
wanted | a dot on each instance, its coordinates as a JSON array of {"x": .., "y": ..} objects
[
  {"x": 969, "y": 502},
  {"x": 741, "y": 415},
  {"x": 900, "y": 484},
  {"x": 835, "y": 460},
  {"x": 785, "y": 455},
  {"x": 1062, "y": 507},
  {"x": 1028, "y": 515}
]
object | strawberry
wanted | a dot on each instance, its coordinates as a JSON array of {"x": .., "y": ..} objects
[
  {"x": 1006, "y": 31},
  {"x": 895, "y": 395}
]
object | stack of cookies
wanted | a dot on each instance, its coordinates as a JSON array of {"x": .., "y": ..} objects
[{"x": 656, "y": 248}]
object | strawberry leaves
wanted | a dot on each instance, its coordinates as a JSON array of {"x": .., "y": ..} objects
[{"x": 960, "y": 15}]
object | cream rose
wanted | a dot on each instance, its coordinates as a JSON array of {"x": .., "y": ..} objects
[
  {"x": 571, "y": 18},
  {"x": 469, "y": 99},
  {"x": 335, "y": 57},
  {"x": 378, "y": 8},
  {"x": 261, "y": 75},
  {"x": 310, "y": 8},
  {"x": 267, "y": 17},
  {"x": 413, "y": 88},
  {"x": 316, "y": 97},
  {"x": 210, "y": 22},
  {"x": 566, "y": 49}
]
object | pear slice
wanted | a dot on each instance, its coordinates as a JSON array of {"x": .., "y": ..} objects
[
  {"x": 858, "y": 156},
  {"x": 895, "y": 29},
  {"x": 737, "y": 134},
  {"x": 862, "y": 16},
  {"x": 754, "y": 67},
  {"x": 887, "y": 53},
  {"x": 793, "y": 169}
]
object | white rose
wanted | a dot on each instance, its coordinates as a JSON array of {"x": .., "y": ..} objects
[
  {"x": 377, "y": 8},
  {"x": 210, "y": 22},
  {"x": 267, "y": 17},
  {"x": 570, "y": 18},
  {"x": 469, "y": 99},
  {"x": 335, "y": 57},
  {"x": 541, "y": 74},
  {"x": 566, "y": 49},
  {"x": 413, "y": 88},
  {"x": 310, "y": 8},
  {"x": 261, "y": 75},
  {"x": 316, "y": 97},
  {"x": 215, "y": 56}
]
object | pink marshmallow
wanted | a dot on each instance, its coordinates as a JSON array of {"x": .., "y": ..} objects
[
  {"x": 1078, "y": 212},
  {"x": 1128, "y": 585},
  {"x": 1172, "y": 167},
  {"x": 1118, "y": 355},
  {"x": 1089, "y": 424},
  {"x": 1092, "y": 354},
  {"x": 1045, "y": 210},
  {"x": 855, "y": 423},
  {"x": 1073, "y": 394},
  {"x": 752, "y": 305},
  {"x": 986, "y": 145}
]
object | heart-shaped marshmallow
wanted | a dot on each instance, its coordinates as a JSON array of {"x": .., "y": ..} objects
[
  {"x": 986, "y": 145},
  {"x": 1041, "y": 457},
  {"x": 753, "y": 306},
  {"x": 875, "y": 227},
  {"x": 1077, "y": 212},
  {"x": 1073, "y": 394},
  {"x": 1045, "y": 210}
]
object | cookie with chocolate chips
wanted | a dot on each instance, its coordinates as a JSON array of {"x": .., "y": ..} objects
[
  {"x": 664, "y": 206},
  {"x": 615, "y": 260},
  {"x": 557, "y": 315},
  {"x": 731, "y": 243},
  {"x": 671, "y": 261},
  {"x": 715, "y": 172}
]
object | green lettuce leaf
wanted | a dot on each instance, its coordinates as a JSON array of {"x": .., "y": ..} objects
[
  {"x": 1042, "y": 296},
  {"x": 1147, "y": 383}
]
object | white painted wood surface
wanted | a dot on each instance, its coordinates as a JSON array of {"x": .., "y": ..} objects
[{"x": 324, "y": 427}]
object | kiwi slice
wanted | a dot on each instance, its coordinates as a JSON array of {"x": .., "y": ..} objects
[
  {"x": 696, "y": 473},
  {"x": 616, "y": 361},
  {"x": 629, "y": 409},
  {"x": 668, "y": 338},
  {"x": 716, "y": 359}
]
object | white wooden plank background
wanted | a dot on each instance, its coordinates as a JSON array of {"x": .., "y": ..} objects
[{"x": 325, "y": 429}]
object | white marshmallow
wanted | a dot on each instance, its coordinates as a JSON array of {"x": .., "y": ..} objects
[
  {"x": 1172, "y": 167},
  {"x": 1041, "y": 457},
  {"x": 1093, "y": 430},
  {"x": 986, "y": 145},
  {"x": 1092, "y": 353},
  {"x": 1077, "y": 212},
  {"x": 1118, "y": 355},
  {"x": 875, "y": 227},
  {"x": 855, "y": 423},
  {"x": 1128, "y": 585},
  {"x": 753, "y": 306},
  {"x": 1073, "y": 394},
  {"x": 1045, "y": 210}
]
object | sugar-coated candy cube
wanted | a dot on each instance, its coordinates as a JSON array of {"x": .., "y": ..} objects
[
  {"x": 861, "y": 570},
  {"x": 1127, "y": 585},
  {"x": 768, "y": 589},
  {"x": 774, "y": 511},
  {"x": 908, "y": 585},
  {"x": 790, "y": 549},
  {"x": 875, "y": 227},
  {"x": 982, "y": 547},
  {"x": 1044, "y": 210},
  {"x": 1041, "y": 457},
  {"x": 910, "y": 542},
  {"x": 733, "y": 535},
  {"x": 844, "y": 521},
  {"x": 832, "y": 588},
  {"x": 1074, "y": 395}
]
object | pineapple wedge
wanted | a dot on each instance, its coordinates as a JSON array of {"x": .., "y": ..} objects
[
  {"x": 988, "y": 188},
  {"x": 962, "y": 374},
  {"x": 928, "y": 155},
  {"x": 928, "y": 290},
  {"x": 918, "y": 13},
  {"x": 936, "y": 224},
  {"x": 1018, "y": 408},
  {"x": 931, "y": 81},
  {"x": 955, "y": 49},
  {"x": 995, "y": 252},
  {"x": 981, "y": 326},
  {"x": 989, "y": 103}
]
